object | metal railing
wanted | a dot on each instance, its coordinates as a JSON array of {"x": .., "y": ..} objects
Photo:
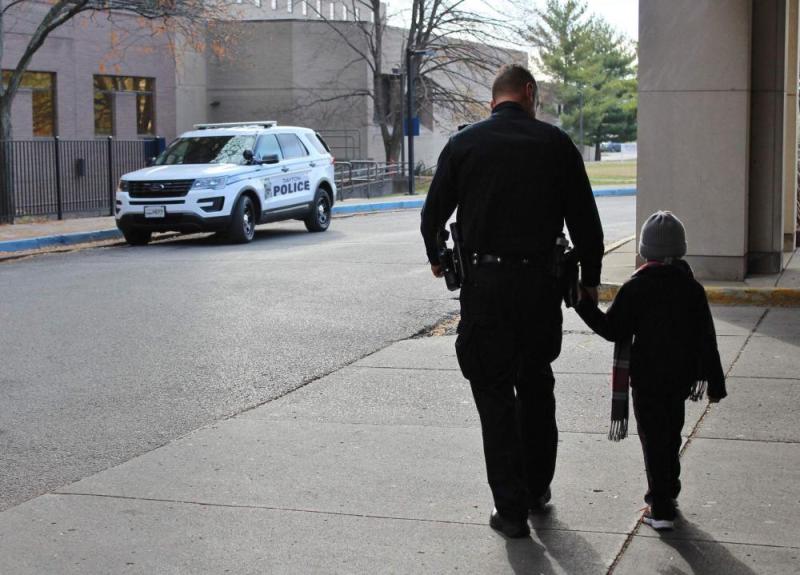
[
  {"x": 367, "y": 178},
  {"x": 344, "y": 144},
  {"x": 67, "y": 177}
]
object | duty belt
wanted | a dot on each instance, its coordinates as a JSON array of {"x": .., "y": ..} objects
[{"x": 524, "y": 260}]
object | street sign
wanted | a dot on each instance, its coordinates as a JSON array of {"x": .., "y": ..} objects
[{"x": 414, "y": 127}]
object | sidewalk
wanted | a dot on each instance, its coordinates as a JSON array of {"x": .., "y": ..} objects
[
  {"x": 769, "y": 290},
  {"x": 378, "y": 468},
  {"x": 39, "y": 235}
]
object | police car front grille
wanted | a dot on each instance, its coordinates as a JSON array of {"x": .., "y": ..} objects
[{"x": 160, "y": 189}]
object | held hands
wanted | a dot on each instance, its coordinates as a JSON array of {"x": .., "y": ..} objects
[
  {"x": 437, "y": 270},
  {"x": 588, "y": 293},
  {"x": 714, "y": 399}
]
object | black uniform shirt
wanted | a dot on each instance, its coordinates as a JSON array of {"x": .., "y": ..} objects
[{"x": 515, "y": 181}]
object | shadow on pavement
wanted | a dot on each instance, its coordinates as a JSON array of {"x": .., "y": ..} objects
[
  {"x": 526, "y": 556},
  {"x": 702, "y": 553},
  {"x": 218, "y": 239},
  {"x": 566, "y": 546}
]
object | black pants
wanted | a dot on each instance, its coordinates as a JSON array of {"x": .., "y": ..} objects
[
  {"x": 660, "y": 419},
  {"x": 510, "y": 331}
]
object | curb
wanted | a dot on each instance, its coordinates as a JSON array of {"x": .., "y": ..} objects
[
  {"x": 27, "y": 244},
  {"x": 748, "y": 296},
  {"x": 377, "y": 207},
  {"x": 59, "y": 240},
  {"x": 614, "y": 192}
]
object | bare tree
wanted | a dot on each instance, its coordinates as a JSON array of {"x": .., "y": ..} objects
[
  {"x": 461, "y": 48},
  {"x": 175, "y": 16}
]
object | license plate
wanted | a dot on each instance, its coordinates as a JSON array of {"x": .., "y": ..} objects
[{"x": 155, "y": 211}]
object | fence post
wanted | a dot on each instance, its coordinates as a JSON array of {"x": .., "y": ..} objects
[
  {"x": 111, "y": 186},
  {"x": 7, "y": 192},
  {"x": 59, "y": 199}
]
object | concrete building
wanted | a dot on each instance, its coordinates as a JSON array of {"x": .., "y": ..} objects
[
  {"x": 718, "y": 128},
  {"x": 91, "y": 78},
  {"x": 278, "y": 59}
]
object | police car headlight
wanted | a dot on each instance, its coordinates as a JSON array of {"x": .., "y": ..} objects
[
  {"x": 210, "y": 183},
  {"x": 123, "y": 186}
]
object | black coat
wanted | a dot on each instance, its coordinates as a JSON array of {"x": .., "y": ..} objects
[
  {"x": 665, "y": 310},
  {"x": 515, "y": 181}
]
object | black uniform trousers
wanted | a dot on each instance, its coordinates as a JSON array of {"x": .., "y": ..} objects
[
  {"x": 509, "y": 333},
  {"x": 659, "y": 419}
]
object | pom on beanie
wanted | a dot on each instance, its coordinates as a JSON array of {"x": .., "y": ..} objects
[{"x": 662, "y": 236}]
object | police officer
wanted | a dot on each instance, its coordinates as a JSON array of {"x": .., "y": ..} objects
[{"x": 515, "y": 181}]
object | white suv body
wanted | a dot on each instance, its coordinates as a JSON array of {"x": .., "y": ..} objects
[{"x": 229, "y": 178}]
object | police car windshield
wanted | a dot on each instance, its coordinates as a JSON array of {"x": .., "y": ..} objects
[{"x": 206, "y": 150}]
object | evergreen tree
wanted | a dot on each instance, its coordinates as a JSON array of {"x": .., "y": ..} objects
[{"x": 593, "y": 70}]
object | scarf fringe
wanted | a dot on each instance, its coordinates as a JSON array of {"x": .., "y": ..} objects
[
  {"x": 618, "y": 430},
  {"x": 697, "y": 390}
]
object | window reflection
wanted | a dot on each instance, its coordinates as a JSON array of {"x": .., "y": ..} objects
[
  {"x": 43, "y": 100},
  {"x": 104, "y": 89}
]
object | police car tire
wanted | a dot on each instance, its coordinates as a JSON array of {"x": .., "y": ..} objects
[
  {"x": 240, "y": 232},
  {"x": 319, "y": 218},
  {"x": 137, "y": 237}
]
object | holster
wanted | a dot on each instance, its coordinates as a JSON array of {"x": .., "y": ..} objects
[{"x": 569, "y": 278}]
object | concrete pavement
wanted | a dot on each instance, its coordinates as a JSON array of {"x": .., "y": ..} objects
[
  {"x": 377, "y": 468},
  {"x": 767, "y": 290}
]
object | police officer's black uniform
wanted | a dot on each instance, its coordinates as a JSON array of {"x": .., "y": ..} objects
[{"x": 515, "y": 181}]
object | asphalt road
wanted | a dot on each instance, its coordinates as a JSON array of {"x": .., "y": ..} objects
[{"x": 110, "y": 352}]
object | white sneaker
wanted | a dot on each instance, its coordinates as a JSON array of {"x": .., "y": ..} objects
[{"x": 657, "y": 524}]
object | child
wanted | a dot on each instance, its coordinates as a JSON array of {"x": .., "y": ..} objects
[{"x": 661, "y": 323}]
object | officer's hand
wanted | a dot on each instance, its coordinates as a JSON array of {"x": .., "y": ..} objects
[
  {"x": 713, "y": 399},
  {"x": 437, "y": 270},
  {"x": 589, "y": 293}
]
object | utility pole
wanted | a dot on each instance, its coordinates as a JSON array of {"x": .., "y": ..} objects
[
  {"x": 408, "y": 125},
  {"x": 580, "y": 105}
]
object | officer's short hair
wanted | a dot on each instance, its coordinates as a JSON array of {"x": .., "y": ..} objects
[{"x": 512, "y": 79}]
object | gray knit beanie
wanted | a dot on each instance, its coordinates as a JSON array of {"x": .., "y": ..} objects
[{"x": 662, "y": 237}]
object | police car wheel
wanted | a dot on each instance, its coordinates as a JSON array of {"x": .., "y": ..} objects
[
  {"x": 137, "y": 237},
  {"x": 243, "y": 221},
  {"x": 319, "y": 218}
]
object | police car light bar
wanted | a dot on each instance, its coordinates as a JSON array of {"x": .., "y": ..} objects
[{"x": 262, "y": 124}]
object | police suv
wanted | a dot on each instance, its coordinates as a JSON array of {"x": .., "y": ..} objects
[{"x": 228, "y": 178}]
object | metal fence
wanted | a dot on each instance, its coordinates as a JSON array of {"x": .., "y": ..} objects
[
  {"x": 367, "y": 178},
  {"x": 68, "y": 177},
  {"x": 344, "y": 144},
  {"x": 72, "y": 178}
]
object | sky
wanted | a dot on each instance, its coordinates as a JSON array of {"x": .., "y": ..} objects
[{"x": 622, "y": 14}]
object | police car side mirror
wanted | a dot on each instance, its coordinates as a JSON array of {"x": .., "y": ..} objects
[
  {"x": 151, "y": 161},
  {"x": 270, "y": 159},
  {"x": 248, "y": 156}
]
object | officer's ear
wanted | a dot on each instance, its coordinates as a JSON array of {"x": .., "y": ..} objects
[{"x": 492, "y": 104}]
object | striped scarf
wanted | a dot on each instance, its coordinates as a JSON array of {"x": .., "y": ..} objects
[{"x": 621, "y": 382}]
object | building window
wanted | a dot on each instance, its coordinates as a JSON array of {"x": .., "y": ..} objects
[
  {"x": 104, "y": 89},
  {"x": 333, "y": 13},
  {"x": 344, "y": 12},
  {"x": 304, "y": 6},
  {"x": 289, "y": 6},
  {"x": 319, "y": 8},
  {"x": 257, "y": 3},
  {"x": 42, "y": 86},
  {"x": 274, "y": 4},
  {"x": 358, "y": 14}
]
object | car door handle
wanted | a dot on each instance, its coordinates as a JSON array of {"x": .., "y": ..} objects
[
  {"x": 285, "y": 169},
  {"x": 313, "y": 164}
]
